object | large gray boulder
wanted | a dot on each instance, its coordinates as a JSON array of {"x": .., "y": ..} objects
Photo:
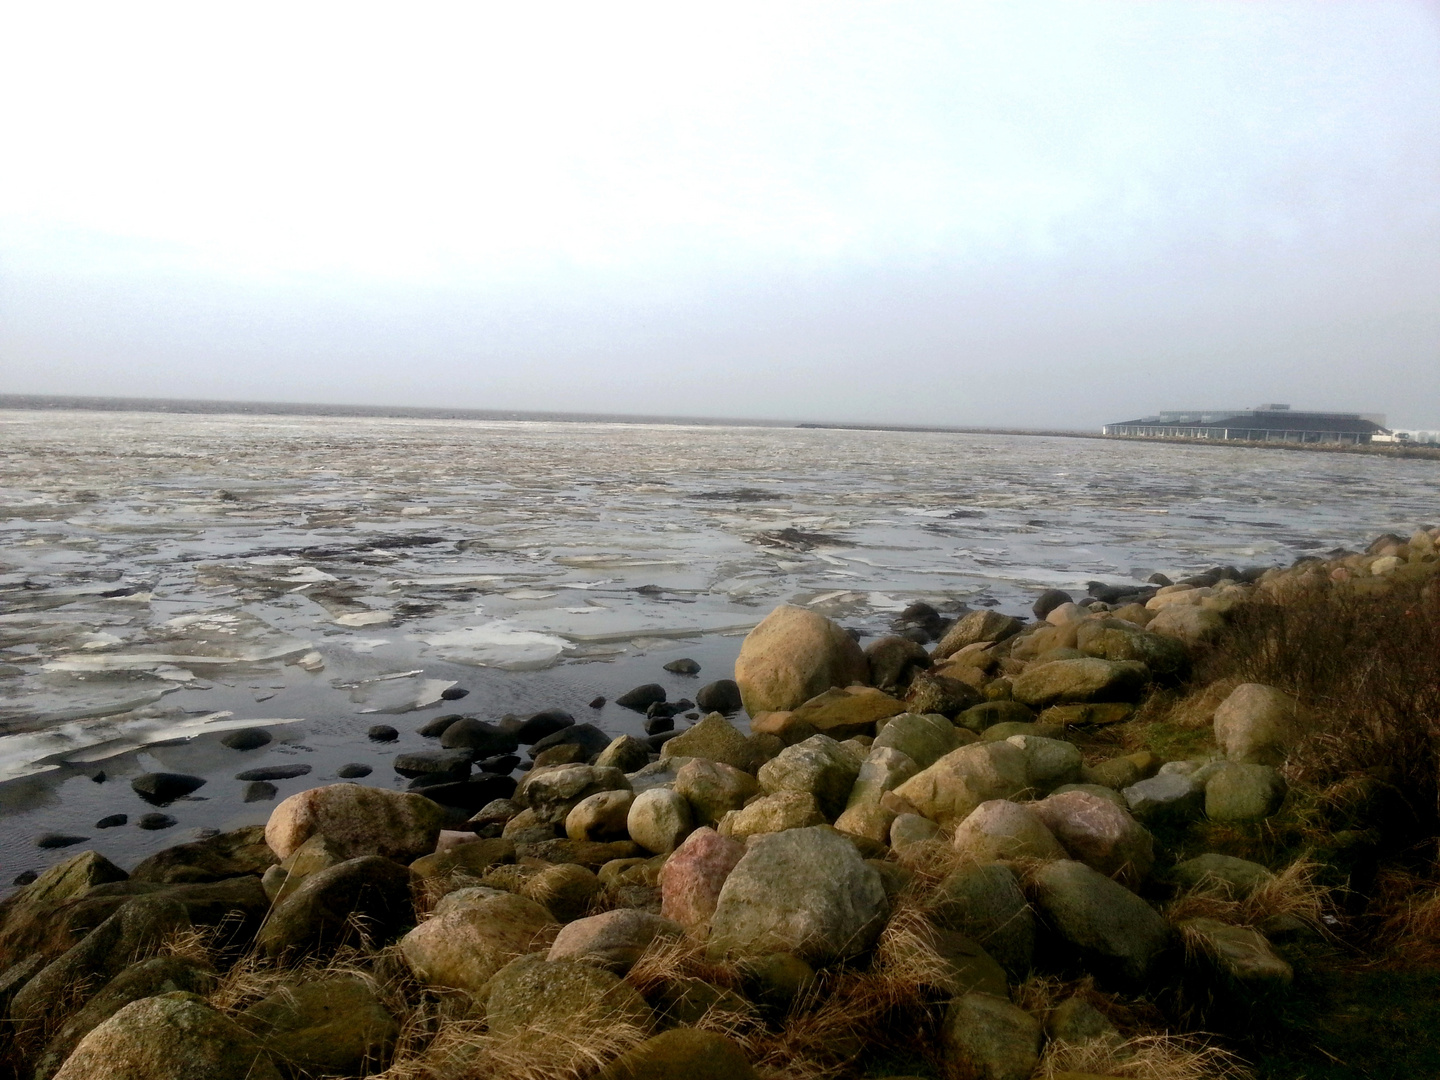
[
  {"x": 1048, "y": 762},
  {"x": 883, "y": 770},
  {"x": 551, "y": 792},
  {"x": 170, "y": 1037},
  {"x": 1105, "y": 926},
  {"x": 1240, "y": 791},
  {"x": 949, "y": 790},
  {"x": 358, "y": 821},
  {"x": 1001, "y": 829},
  {"x": 1116, "y": 639},
  {"x": 805, "y": 891},
  {"x": 923, "y": 738},
  {"x": 1259, "y": 724},
  {"x": 1099, "y": 834},
  {"x": 560, "y": 997},
  {"x": 613, "y": 940},
  {"x": 659, "y": 819},
  {"x": 1087, "y": 679},
  {"x": 819, "y": 766},
  {"x": 973, "y": 628},
  {"x": 793, "y": 655},
  {"x": 985, "y": 902}
]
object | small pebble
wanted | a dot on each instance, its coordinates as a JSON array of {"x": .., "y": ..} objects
[
  {"x": 246, "y": 739},
  {"x": 453, "y": 693},
  {"x": 598, "y": 703},
  {"x": 692, "y": 716},
  {"x": 99, "y": 777},
  {"x": 683, "y": 667},
  {"x": 51, "y": 840},
  {"x": 274, "y": 772},
  {"x": 260, "y": 791},
  {"x": 353, "y": 771},
  {"x": 383, "y": 733},
  {"x": 112, "y": 821},
  {"x": 155, "y": 821},
  {"x": 25, "y": 877}
]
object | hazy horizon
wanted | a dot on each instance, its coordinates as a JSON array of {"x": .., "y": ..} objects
[{"x": 1047, "y": 215}]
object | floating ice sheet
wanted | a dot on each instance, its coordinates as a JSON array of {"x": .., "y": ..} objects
[{"x": 498, "y": 644}]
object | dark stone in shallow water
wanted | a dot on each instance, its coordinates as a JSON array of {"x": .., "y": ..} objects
[
  {"x": 453, "y": 693},
  {"x": 598, "y": 703},
  {"x": 433, "y": 729},
  {"x": 642, "y": 697},
  {"x": 500, "y": 764},
  {"x": 50, "y": 840},
  {"x": 353, "y": 771},
  {"x": 162, "y": 788},
  {"x": 656, "y": 724},
  {"x": 587, "y": 736},
  {"x": 274, "y": 772},
  {"x": 722, "y": 696},
  {"x": 246, "y": 739},
  {"x": 683, "y": 667},
  {"x": 541, "y": 725},
  {"x": 156, "y": 821},
  {"x": 25, "y": 877},
  {"x": 455, "y": 763},
  {"x": 479, "y": 736},
  {"x": 1049, "y": 600},
  {"x": 112, "y": 821},
  {"x": 659, "y": 739},
  {"x": 99, "y": 777},
  {"x": 383, "y": 733},
  {"x": 469, "y": 794},
  {"x": 260, "y": 791}
]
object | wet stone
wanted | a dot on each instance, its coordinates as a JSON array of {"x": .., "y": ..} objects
[
  {"x": 433, "y": 729},
  {"x": 25, "y": 877},
  {"x": 246, "y": 739},
  {"x": 260, "y": 791},
  {"x": 642, "y": 697},
  {"x": 453, "y": 693},
  {"x": 722, "y": 696},
  {"x": 456, "y": 763},
  {"x": 588, "y": 737},
  {"x": 112, "y": 821},
  {"x": 654, "y": 725},
  {"x": 500, "y": 764},
  {"x": 51, "y": 840},
  {"x": 273, "y": 772},
  {"x": 685, "y": 666},
  {"x": 541, "y": 725},
  {"x": 353, "y": 771},
  {"x": 597, "y": 703},
  {"x": 163, "y": 788},
  {"x": 382, "y": 733},
  {"x": 155, "y": 822}
]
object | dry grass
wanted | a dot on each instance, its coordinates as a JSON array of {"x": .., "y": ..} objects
[
  {"x": 1145, "y": 1057},
  {"x": 1039, "y": 995},
  {"x": 1296, "y": 892}
]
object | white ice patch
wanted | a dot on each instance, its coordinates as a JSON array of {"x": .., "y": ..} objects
[
  {"x": 363, "y": 618},
  {"x": 398, "y": 695},
  {"x": 498, "y": 644}
]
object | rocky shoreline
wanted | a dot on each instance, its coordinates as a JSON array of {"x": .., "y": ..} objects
[{"x": 987, "y": 847}]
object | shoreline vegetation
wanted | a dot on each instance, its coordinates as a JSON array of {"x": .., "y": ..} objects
[
  {"x": 42, "y": 402},
  {"x": 1166, "y": 831}
]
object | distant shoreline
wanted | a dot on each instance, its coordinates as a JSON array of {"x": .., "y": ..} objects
[{"x": 198, "y": 406}]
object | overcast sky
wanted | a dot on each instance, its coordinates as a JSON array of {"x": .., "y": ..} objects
[{"x": 1040, "y": 214}]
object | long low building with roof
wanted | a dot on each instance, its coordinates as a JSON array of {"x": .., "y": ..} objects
[{"x": 1265, "y": 423}]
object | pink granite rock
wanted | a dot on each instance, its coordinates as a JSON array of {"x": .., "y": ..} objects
[
  {"x": 1099, "y": 834},
  {"x": 691, "y": 879}
]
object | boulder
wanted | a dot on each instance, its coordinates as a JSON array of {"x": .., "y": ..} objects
[
  {"x": 1243, "y": 792},
  {"x": 771, "y": 814},
  {"x": 1048, "y": 762},
  {"x": 160, "y": 975},
  {"x": 894, "y": 660},
  {"x": 551, "y": 792},
  {"x": 333, "y": 1027},
  {"x": 1104, "y": 926},
  {"x": 659, "y": 819},
  {"x": 883, "y": 770},
  {"x": 641, "y": 697},
  {"x": 931, "y": 693},
  {"x": 692, "y": 878},
  {"x": 819, "y": 766},
  {"x": 559, "y": 997},
  {"x": 869, "y": 820},
  {"x": 163, "y": 788},
  {"x": 804, "y": 891},
  {"x": 1259, "y": 724},
  {"x": 135, "y": 930},
  {"x": 1049, "y": 600},
  {"x": 484, "y": 739},
  {"x": 908, "y": 829},
  {"x": 324, "y": 911},
  {"x": 587, "y": 739},
  {"x": 1096, "y": 714},
  {"x": 949, "y": 790},
  {"x": 984, "y": 901},
  {"x": 987, "y": 714},
  {"x": 588, "y": 853},
  {"x": 538, "y": 726},
  {"x": 978, "y": 626},
  {"x": 1101, "y": 835},
  {"x": 713, "y": 789},
  {"x": 722, "y": 696},
  {"x": 473, "y": 859},
  {"x": 1001, "y": 829},
  {"x": 1239, "y": 954},
  {"x": 449, "y": 764},
  {"x": 230, "y": 854},
  {"x": 1188, "y": 624},
  {"x": 601, "y": 816},
  {"x": 358, "y": 820},
  {"x": 1087, "y": 679},
  {"x": 625, "y": 753},
  {"x": 793, "y": 655},
  {"x": 1167, "y": 798},
  {"x": 992, "y": 1039},
  {"x": 27, "y": 923},
  {"x": 472, "y": 935},
  {"x": 170, "y": 1037},
  {"x": 613, "y": 940},
  {"x": 844, "y": 711},
  {"x": 1121, "y": 772},
  {"x": 713, "y": 738},
  {"x": 1117, "y": 639},
  {"x": 1223, "y": 874},
  {"x": 924, "y": 739},
  {"x": 681, "y": 1052},
  {"x": 1075, "y": 1020}
]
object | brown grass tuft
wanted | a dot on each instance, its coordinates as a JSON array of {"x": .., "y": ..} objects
[
  {"x": 1296, "y": 892},
  {"x": 1145, "y": 1057}
]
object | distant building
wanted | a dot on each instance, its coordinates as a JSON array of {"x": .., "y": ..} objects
[{"x": 1264, "y": 423}]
